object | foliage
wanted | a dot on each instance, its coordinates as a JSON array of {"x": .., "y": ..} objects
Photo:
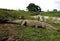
[
  {"x": 54, "y": 10},
  {"x": 33, "y": 8}
]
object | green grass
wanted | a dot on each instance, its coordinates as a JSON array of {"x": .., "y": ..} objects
[
  {"x": 16, "y": 14},
  {"x": 38, "y": 34},
  {"x": 56, "y": 26},
  {"x": 33, "y": 34},
  {"x": 52, "y": 14}
]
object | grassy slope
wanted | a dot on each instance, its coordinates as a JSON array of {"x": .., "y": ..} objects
[
  {"x": 32, "y": 34},
  {"x": 39, "y": 34}
]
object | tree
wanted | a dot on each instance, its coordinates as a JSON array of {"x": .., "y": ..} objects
[
  {"x": 33, "y": 8},
  {"x": 55, "y": 10}
]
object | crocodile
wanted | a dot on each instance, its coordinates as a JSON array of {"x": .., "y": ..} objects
[{"x": 35, "y": 24}]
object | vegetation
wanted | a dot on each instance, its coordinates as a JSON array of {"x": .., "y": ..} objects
[
  {"x": 51, "y": 13},
  {"x": 55, "y": 10},
  {"x": 32, "y": 34},
  {"x": 27, "y": 33},
  {"x": 33, "y": 8}
]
